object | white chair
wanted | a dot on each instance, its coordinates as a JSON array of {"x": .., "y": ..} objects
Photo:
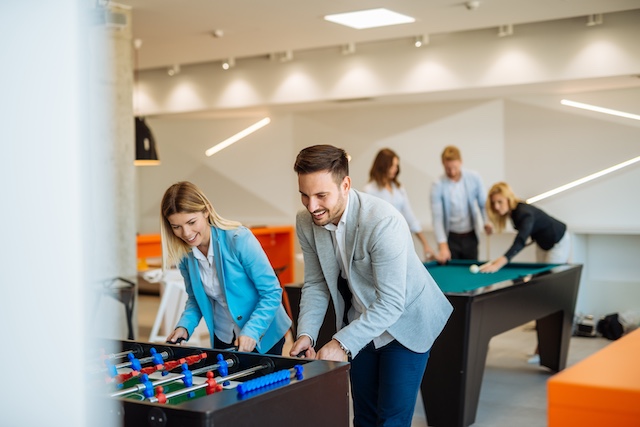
[{"x": 172, "y": 302}]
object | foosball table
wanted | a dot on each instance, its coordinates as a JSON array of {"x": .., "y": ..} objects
[{"x": 163, "y": 385}]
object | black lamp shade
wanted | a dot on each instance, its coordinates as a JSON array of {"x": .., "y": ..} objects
[{"x": 146, "y": 153}]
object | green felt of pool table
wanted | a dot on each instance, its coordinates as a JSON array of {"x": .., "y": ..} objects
[{"x": 455, "y": 277}]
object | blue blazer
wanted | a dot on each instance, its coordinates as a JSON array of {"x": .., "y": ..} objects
[
  {"x": 385, "y": 272},
  {"x": 252, "y": 290}
]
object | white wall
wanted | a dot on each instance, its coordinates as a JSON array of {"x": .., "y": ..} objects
[
  {"x": 520, "y": 134},
  {"x": 531, "y": 147}
]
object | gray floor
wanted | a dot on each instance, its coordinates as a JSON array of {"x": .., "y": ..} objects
[{"x": 513, "y": 392}]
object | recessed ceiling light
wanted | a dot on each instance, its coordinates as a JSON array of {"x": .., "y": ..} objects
[{"x": 371, "y": 18}]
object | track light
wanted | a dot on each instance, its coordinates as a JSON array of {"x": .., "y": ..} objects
[
  {"x": 593, "y": 20},
  {"x": 472, "y": 5},
  {"x": 229, "y": 63},
  {"x": 349, "y": 49},
  {"x": 175, "y": 69},
  {"x": 505, "y": 30},
  {"x": 420, "y": 41},
  {"x": 286, "y": 56}
]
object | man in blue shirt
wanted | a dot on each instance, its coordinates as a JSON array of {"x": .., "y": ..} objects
[{"x": 456, "y": 200}]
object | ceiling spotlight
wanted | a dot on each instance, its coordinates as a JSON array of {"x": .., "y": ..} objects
[
  {"x": 175, "y": 69},
  {"x": 286, "y": 56},
  {"x": 472, "y": 5},
  {"x": 228, "y": 63},
  {"x": 505, "y": 30},
  {"x": 593, "y": 20},
  {"x": 218, "y": 34},
  {"x": 349, "y": 49},
  {"x": 420, "y": 41}
]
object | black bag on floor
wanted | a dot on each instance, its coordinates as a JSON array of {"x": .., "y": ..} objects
[{"x": 610, "y": 327}]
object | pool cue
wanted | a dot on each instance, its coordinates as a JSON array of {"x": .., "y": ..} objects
[{"x": 488, "y": 247}]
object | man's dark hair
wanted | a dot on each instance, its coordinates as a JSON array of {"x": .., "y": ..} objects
[{"x": 318, "y": 158}]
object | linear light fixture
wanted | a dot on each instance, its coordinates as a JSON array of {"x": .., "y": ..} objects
[
  {"x": 238, "y": 136},
  {"x": 600, "y": 109},
  {"x": 371, "y": 18},
  {"x": 583, "y": 180}
]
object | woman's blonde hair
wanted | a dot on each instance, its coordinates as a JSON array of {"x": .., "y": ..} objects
[
  {"x": 502, "y": 188},
  {"x": 185, "y": 197}
]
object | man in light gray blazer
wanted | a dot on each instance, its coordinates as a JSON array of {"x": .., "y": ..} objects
[{"x": 359, "y": 255}]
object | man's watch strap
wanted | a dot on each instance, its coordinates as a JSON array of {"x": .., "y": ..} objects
[{"x": 343, "y": 348}]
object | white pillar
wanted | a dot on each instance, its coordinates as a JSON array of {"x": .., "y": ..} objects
[{"x": 66, "y": 213}]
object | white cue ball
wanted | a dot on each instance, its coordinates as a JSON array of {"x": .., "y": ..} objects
[{"x": 474, "y": 268}]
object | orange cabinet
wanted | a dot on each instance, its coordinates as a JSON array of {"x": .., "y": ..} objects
[
  {"x": 149, "y": 246},
  {"x": 278, "y": 244}
]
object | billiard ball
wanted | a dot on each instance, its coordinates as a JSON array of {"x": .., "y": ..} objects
[{"x": 474, "y": 268}]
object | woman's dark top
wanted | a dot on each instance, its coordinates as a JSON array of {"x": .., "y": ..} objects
[{"x": 532, "y": 222}]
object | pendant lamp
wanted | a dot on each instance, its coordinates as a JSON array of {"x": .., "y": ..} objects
[{"x": 146, "y": 153}]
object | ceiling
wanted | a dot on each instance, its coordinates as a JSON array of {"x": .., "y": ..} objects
[{"x": 181, "y": 31}]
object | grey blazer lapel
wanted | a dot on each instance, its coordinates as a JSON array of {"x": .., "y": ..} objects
[
  {"x": 327, "y": 257},
  {"x": 352, "y": 226}
]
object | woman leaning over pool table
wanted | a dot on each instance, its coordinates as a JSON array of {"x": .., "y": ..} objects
[{"x": 553, "y": 242}]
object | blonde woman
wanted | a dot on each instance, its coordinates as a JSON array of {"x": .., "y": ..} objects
[
  {"x": 550, "y": 235},
  {"x": 228, "y": 278}
]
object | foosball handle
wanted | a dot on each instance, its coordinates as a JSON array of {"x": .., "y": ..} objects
[{"x": 223, "y": 368}]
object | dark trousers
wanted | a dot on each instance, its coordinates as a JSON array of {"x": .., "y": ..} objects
[
  {"x": 276, "y": 350},
  {"x": 385, "y": 384},
  {"x": 463, "y": 246}
]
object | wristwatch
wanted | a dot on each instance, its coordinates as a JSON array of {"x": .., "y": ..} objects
[{"x": 343, "y": 348}]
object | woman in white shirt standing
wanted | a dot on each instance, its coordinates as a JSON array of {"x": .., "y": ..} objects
[{"x": 383, "y": 183}]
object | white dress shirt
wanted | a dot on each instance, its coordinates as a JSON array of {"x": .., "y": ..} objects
[{"x": 225, "y": 327}]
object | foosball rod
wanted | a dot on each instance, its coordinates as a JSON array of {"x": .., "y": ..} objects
[
  {"x": 233, "y": 376},
  {"x": 142, "y": 386},
  {"x": 163, "y": 354}
]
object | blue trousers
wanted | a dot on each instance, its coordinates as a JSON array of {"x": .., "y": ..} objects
[{"x": 385, "y": 384}]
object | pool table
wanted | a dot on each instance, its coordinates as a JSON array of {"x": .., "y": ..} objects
[{"x": 485, "y": 305}]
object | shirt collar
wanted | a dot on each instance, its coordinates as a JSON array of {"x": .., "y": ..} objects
[
  {"x": 343, "y": 219},
  {"x": 199, "y": 255}
]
